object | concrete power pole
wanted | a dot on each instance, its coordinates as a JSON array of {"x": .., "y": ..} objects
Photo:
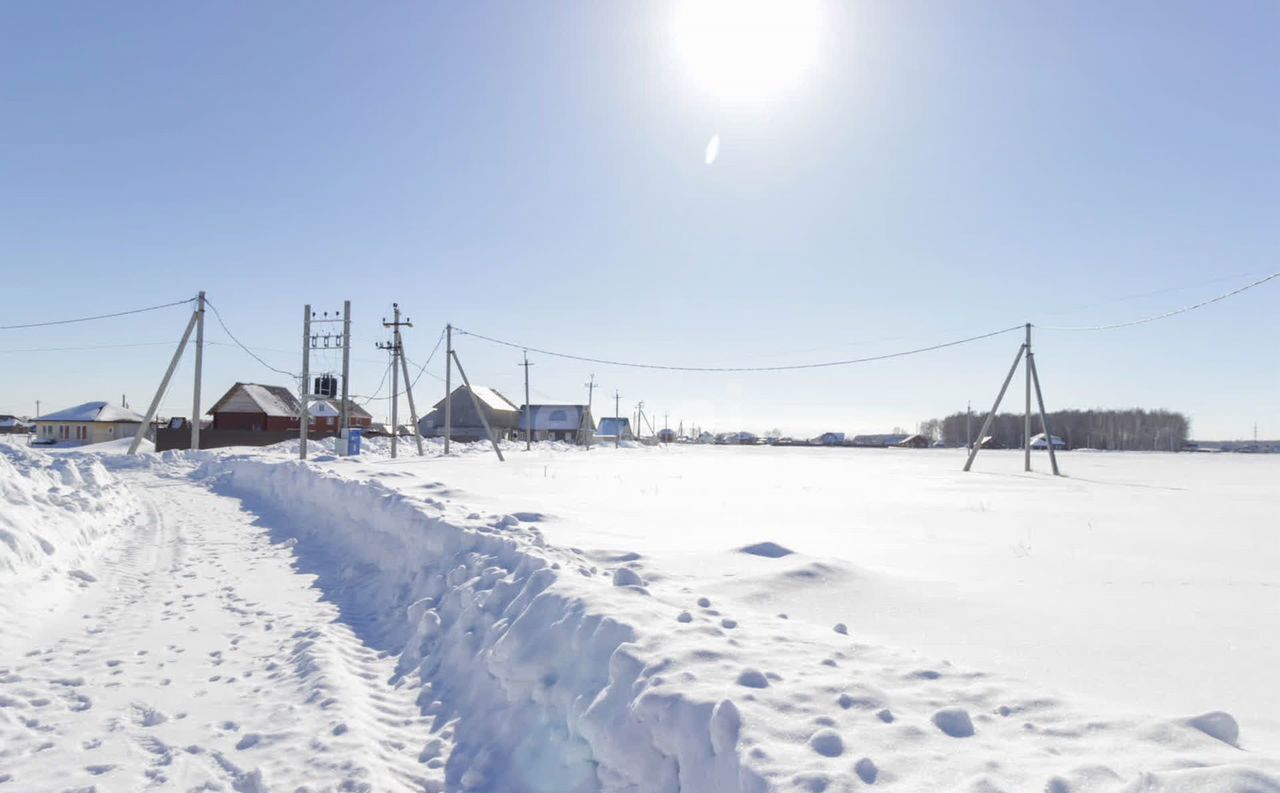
[
  {"x": 195, "y": 399},
  {"x": 344, "y": 422},
  {"x": 448, "y": 387},
  {"x": 398, "y": 365},
  {"x": 1026, "y": 417},
  {"x": 528, "y": 408},
  {"x": 617, "y": 419},
  {"x": 304, "y": 412},
  {"x": 968, "y": 425},
  {"x": 591, "y": 387}
]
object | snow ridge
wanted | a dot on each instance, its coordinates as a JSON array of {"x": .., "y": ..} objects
[
  {"x": 57, "y": 509},
  {"x": 532, "y": 685}
]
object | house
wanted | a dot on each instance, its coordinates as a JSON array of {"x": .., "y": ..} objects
[
  {"x": 705, "y": 438},
  {"x": 615, "y": 429},
  {"x": 256, "y": 408},
  {"x": 12, "y": 425},
  {"x": 92, "y": 422},
  {"x": 879, "y": 441},
  {"x": 913, "y": 442},
  {"x": 572, "y": 423},
  {"x": 326, "y": 415},
  {"x": 1037, "y": 442},
  {"x": 502, "y": 414},
  {"x": 830, "y": 439}
]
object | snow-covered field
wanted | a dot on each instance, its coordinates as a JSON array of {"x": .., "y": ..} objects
[{"x": 646, "y": 619}]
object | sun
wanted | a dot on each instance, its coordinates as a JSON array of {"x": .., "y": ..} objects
[{"x": 747, "y": 50}]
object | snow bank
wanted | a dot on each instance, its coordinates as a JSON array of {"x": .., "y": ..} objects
[
  {"x": 549, "y": 668},
  {"x": 516, "y": 646},
  {"x": 54, "y": 510}
]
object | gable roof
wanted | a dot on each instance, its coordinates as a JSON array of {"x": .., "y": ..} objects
[
  {"x": 556, "y": 417},
  {"x": 273, "y": 400},
  {"x": 490, "y": 397},
  {"x": 93, "y": 411},
  {"x": 331, "y": 407}
]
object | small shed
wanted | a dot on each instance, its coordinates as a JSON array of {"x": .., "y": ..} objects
[{"x": 916, "y": 441}]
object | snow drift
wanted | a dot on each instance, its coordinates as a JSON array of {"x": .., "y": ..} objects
[
  {"x": 54, "y": 512},
  {"x": 531, "y": 680}
]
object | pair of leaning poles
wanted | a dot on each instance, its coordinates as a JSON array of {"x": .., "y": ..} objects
[{"x": 1033, "y": 378}]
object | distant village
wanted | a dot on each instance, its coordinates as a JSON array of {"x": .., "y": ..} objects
[{"x": 254, "y": 414}]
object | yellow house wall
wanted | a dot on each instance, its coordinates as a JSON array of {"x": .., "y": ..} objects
[{"x": 97, "y": 432}]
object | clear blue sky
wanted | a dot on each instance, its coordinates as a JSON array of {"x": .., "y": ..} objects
[{"x": 536, "y": 171}]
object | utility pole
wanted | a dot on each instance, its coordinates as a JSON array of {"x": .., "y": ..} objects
[
  {"x": 591, "y": 387},
  {"x": 1026, "y": 417},
  {"x": 448, "y": 388},
  {"x": 968, "y": 425},
  {"x": 398, "y": 365},
  {"x": 304, "y": 413},
  {"x": 344, "y": 421},
  {"x": 1033, "y": 378},
  {"x": 164, "y": 385},
  {"x": 314, "y": 341},
  {"x": 195, "y": 398},
  {"x": 528, "y": 408},
  {"x": 617, "y": 419}
]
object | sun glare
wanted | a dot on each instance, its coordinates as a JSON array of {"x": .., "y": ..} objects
[{"x": 747, "y": 50}]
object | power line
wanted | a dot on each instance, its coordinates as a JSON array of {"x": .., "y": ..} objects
[
  {"x": 90, "y": 347},
  {"x": 421, "y": 370},
  {"x": 239, "y": 344},
  {"x": 98, "y": 316},
  {"x": 789, "y": 367},
  {"x": 1168, "y": 314}
]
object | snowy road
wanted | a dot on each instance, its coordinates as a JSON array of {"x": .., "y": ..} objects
[{"x": 200, "y": 658}]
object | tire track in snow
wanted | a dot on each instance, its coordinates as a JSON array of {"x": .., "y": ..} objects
[{"x": 201, "y": 658}]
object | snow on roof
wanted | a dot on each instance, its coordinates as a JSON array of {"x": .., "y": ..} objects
[
  {"x": 12, "y": 421},
  {"x": 328, "y": 408},
  {"x": 270, "y": 399},
  {"x": 554, "y": 417},
  {"x": 273, "y": 400},
  {"x": 93, "y": 411},
  {"x": 489, "y": 396}
]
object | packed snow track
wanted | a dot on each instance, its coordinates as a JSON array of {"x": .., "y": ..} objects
[{"x": 201, "y": 659}]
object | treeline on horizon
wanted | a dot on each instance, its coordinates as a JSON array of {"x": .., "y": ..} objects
[{"x": 1132, "y": 430}]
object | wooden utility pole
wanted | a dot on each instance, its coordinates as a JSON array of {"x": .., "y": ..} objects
[{"x": 528, "y": 408}]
